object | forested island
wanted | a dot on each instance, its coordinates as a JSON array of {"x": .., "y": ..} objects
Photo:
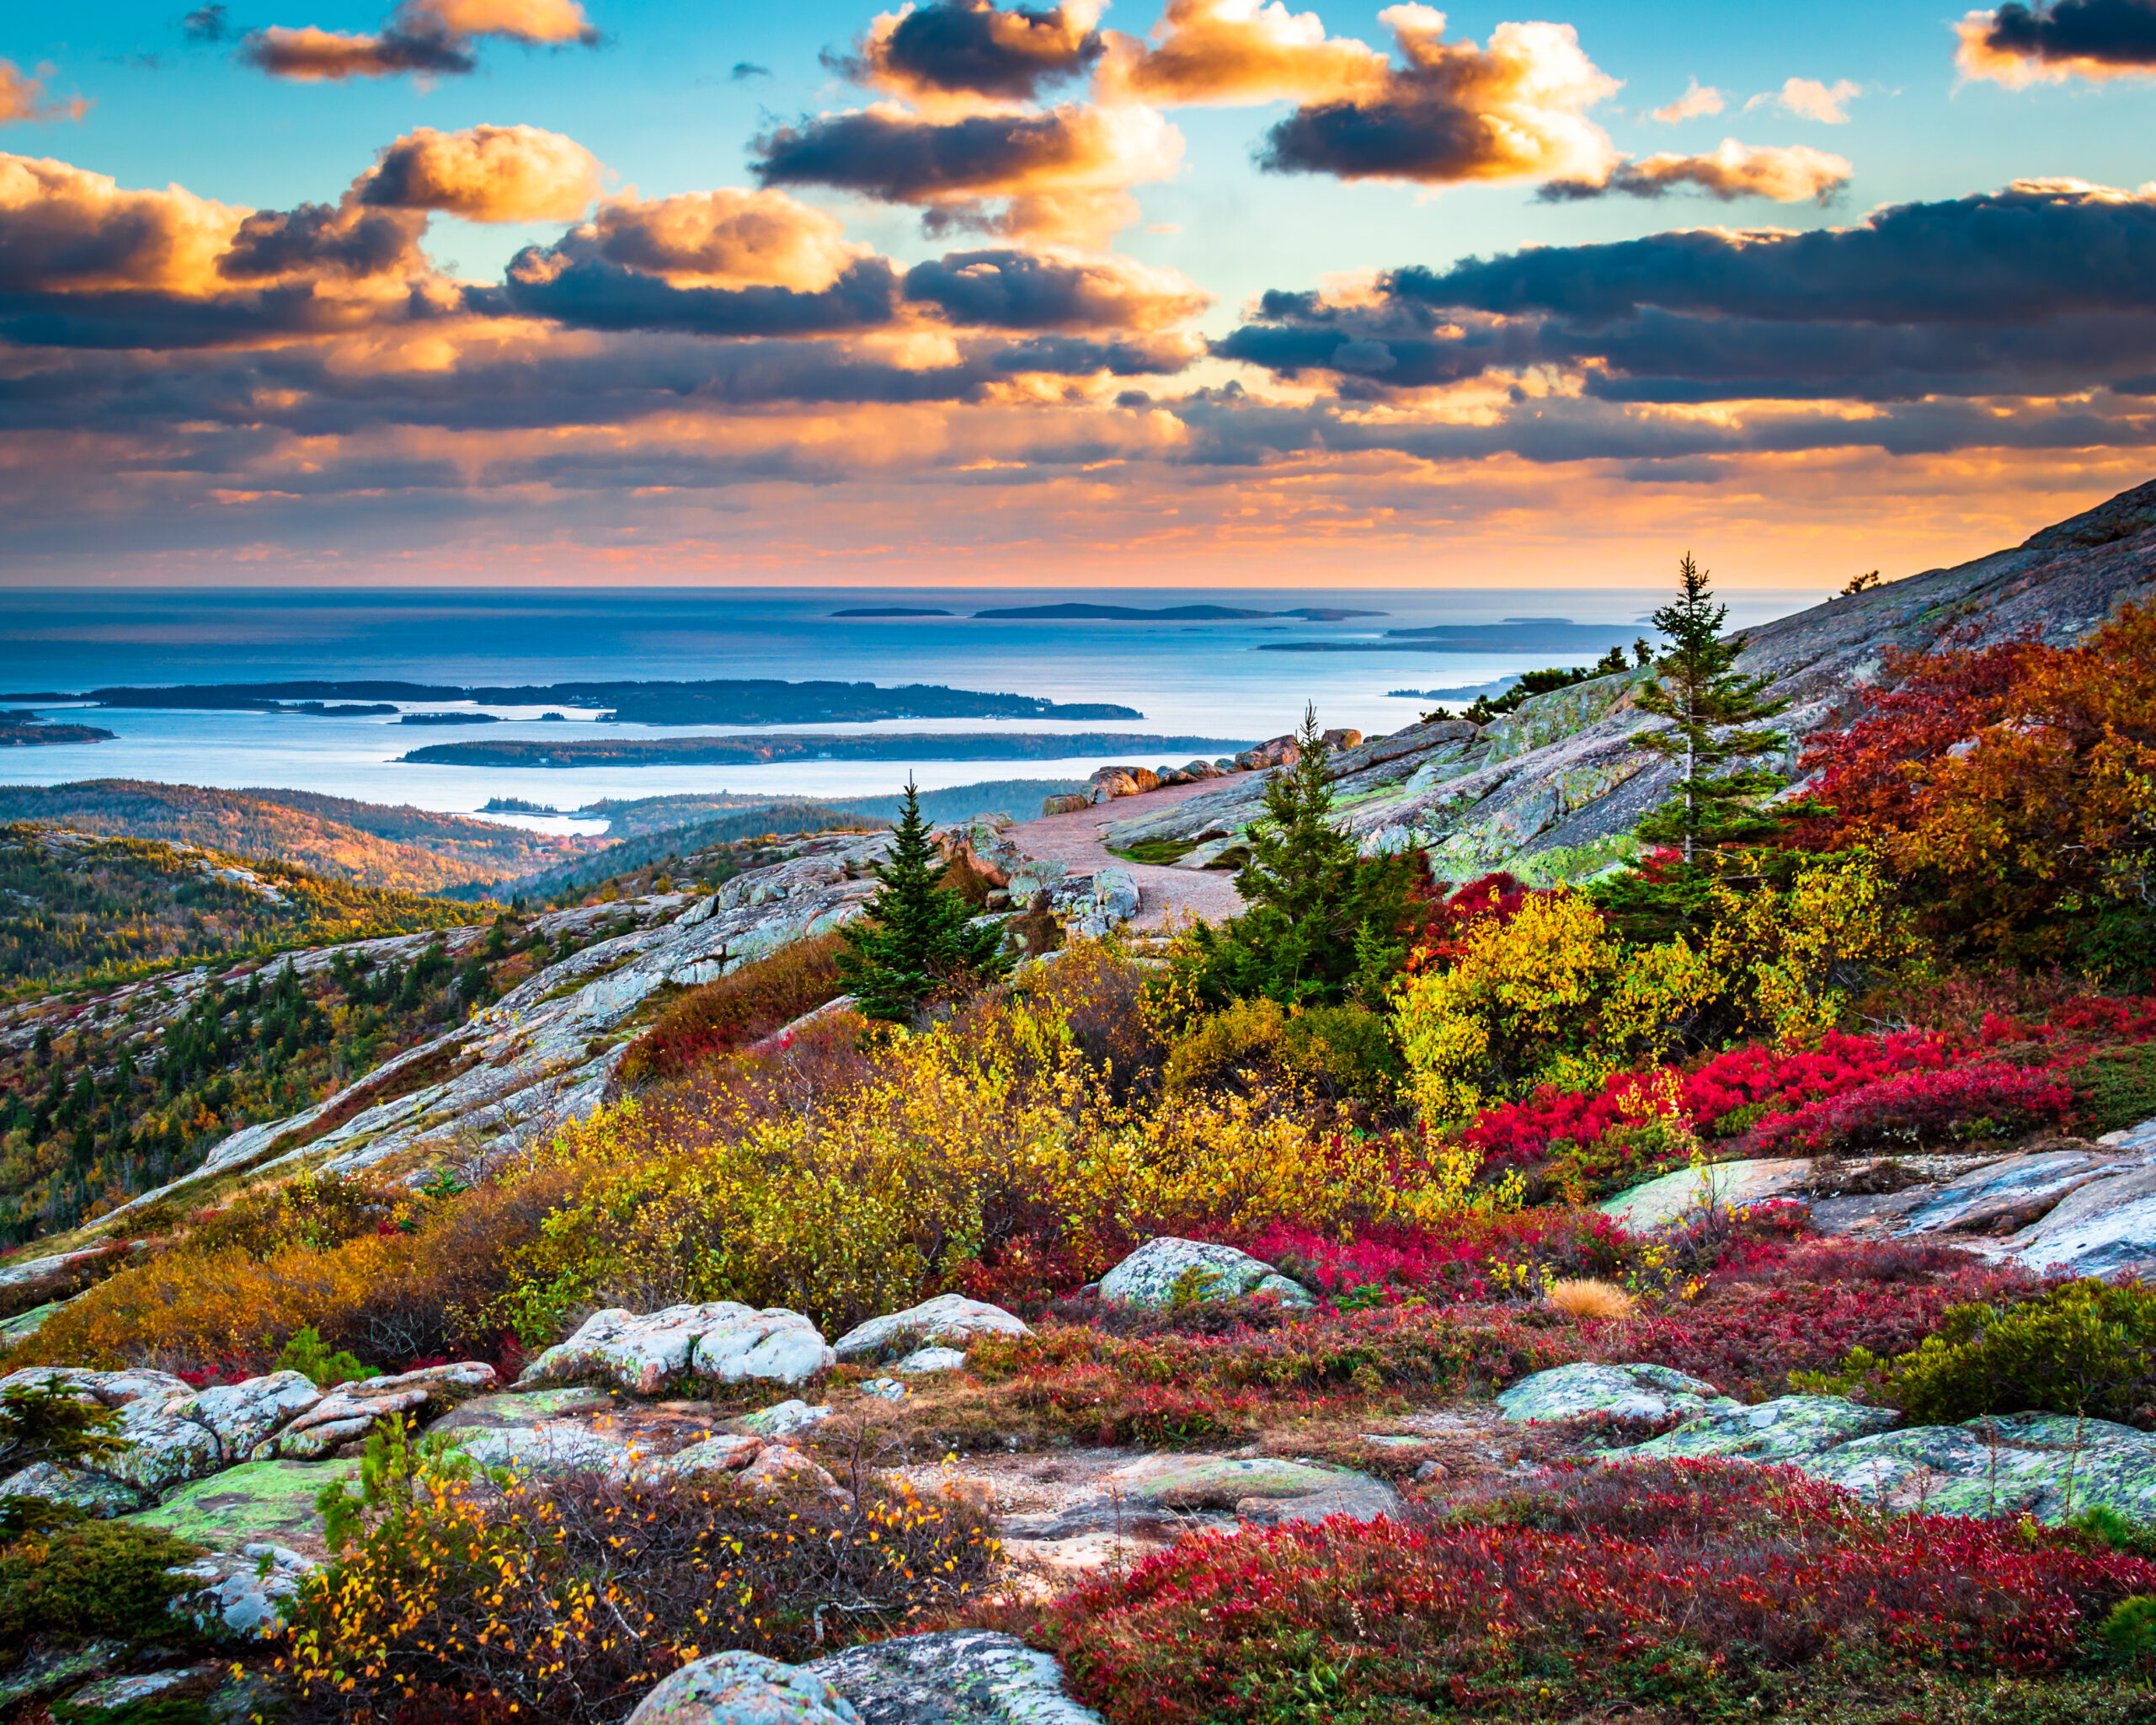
[{"x": 756, "y": 751}]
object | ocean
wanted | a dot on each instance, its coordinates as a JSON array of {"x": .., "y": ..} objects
[{"x": 1212, "y": 678}]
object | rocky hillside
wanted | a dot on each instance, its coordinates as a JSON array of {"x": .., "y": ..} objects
[{"x": 1558, "y": 784}]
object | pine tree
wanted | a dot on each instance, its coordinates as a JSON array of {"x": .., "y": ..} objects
[
  {"x": 1322, "y": 918},
  {"x": 917, "y": 939},
  {"x": 1715, "y": 717}
]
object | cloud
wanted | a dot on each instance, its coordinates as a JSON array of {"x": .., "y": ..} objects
[
  {"x": 64, "y": 230},
  {"x": 1787, "y": 174},
  {"x": 2019, "y": 45},
  {"x": 430, "y": 37},
  {"x": 1807, "y": 98},
  {"x": 23, "y": 97},
  {"x": 1016, "y": 290},
  {"x": 958, "y": 48},
  {"x": 1516, "y": 110},
  {"x": 2036, "y": 290},
  {"x": 315, "y": 240},
  {"x": 571, "y": 283},
  {"x": 1242, "y": 51},
  {"x": 1064, "y": 173},
  {"x": 728, "y": 237},
  {"x": 745, "y": 70},
  {"x": 206, "y": 24},
  {"x": 487, "y": 174},
  {"x": 1697, "y": 99}
]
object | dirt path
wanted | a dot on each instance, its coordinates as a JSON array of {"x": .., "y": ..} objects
[{"x": 1164, "y": 895}]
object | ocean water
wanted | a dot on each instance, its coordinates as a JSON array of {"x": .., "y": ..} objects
[{"x": 1186, "y": 678}]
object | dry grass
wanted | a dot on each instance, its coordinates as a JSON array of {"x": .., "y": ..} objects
[{"x": 1589, "y": 1296}]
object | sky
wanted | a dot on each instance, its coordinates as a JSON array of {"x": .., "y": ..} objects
[{"x": 312, "y": 292}]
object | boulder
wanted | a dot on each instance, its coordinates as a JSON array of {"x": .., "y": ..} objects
[
  {"x": 1070, "y": 803},
  {"x": 722, "y": 1339},
  {"x": 727, "y": 1453},
  {"x": 787, "y": 1419},
  {"x": 923, "y": 1360},
  {"x": 549, "y": 1446},
  {"x": 1154, "y": 1273},
  {"x": 242, "y": 1415},
  {"x": 2105, "y": 1227},
  {"x": 1157, "y": 1496},
  {"x": 349, "y": 1412},
  {"x": 948, "y": 1318},
  {"x": 92, "y": 1494},
  {"x": 951, "y": 1677},
  {"x": 778, "y": 1468},
  {"x": 1732, "y": 1185},
  {"x": 890, "y": 1389},
  {"x": 741, "y": 1688},
  {"x": 1783, "y": 1429},
  {"x": 146, "y": 1695},
  {"x": 242, "y": 1596},
  {"x": 1652, "y": 1392},
  {"x": 2050, "y": 1466},
  {"x": 265, "y": 1502}
]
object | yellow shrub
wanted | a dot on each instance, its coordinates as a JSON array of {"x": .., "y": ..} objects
[{"x": 1792, "y": 956}]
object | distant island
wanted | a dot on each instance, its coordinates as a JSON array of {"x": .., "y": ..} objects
[
  {"x": 715, "y": 702},
  {"x": 753, "y": 751},
  {"x": 450, "y": 718},
  {"x": 23, "y": 730},
  {"x": 1466, "y": 693},
  {"x": 894, "y": 610},
  {"x": 1169, "y": 614},
  {"x": 516, "y": 806},
  {"x": 1554, "y": 635}
]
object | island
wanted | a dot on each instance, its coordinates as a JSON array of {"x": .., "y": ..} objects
[
  {"x": 21, "y": 730},
  {"x": 894, "y": 610},
  {"x": 450, "y": 718},
  {"x": 758, "y": 750},
  {"x": 717, "y": 701},
  {"x": 1166, "y": 614}
]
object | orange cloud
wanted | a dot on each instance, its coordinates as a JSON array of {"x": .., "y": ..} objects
[
  {"x": 1060, "y": 175},
  {"x": 65, "y": 230},
  {"x": 1242, "y": 51},
  {"x": 428, "y": 37},
  {"x": 487, "y": 174},
  {"x": 950, "y": 54},
  {"x": 1697, "y": 99},
  {"x": 728, "y": 238},
  {"x": 1515, "y": 110},
  {"x": 1788, "y": 175},
  {"x": 21, "y": 97},
  {"x": 2019, "y": 45},
  {"x": 1056, "y": 290}
]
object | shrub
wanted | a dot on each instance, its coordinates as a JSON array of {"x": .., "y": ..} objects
[
  {"x": 1589, "y": 1296},
  {"x": 2085, "y": 1348},
  {"x": 1337, "y": 1052},
  {"x": 305, "y": 1354},
  {"x": 95, "y": 1578},
  {"x": 1466, "y": 1256},
  {"x": 2130, "y": 1631},
  {"x": 752, "y": 1002},
  {"x": 1686, "y": 1590},
  {"x": 1914, "y": 1108},
  {"x": 563, "y": 1598},
  {"x": 2114, "y": 1088},
  {"x": 315, "y": 1210}
]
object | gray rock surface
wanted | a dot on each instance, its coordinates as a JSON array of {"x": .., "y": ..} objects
[
  {"x": 1783, "y": 1429},
  {"x": 1151, "y": 1275},
  {"x": 740, "y": 1688},
  {"x": 946, "y": 1319},
  {"x": 2050, "y": 1466},
  {"x": 1160, "y": 1495},
  {"x": 1622, "y": 1391},
  {"x": 722, "y": 1339},
  {"x": 243, "y": 1595},
  {"x": 923, "y": 1360},
  {"x": 786, "y": 1419},
  {"x": 954, "y": 1677},
  {"x": 1732, "y": 1185}
]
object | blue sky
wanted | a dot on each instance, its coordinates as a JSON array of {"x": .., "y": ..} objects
[{"x": 658, "y": 102}]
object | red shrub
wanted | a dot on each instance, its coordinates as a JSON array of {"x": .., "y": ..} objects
[
  {"x": 1444, "y": 935},
  {"x": 1916, "y": 1107},
  {"x": 1612, "y": 1589},
  {"x": 1455, "y": 1265}
]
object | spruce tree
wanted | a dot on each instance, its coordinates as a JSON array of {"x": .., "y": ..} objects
[
  {"x": 917, "y": 938},
  {"x": 1322, "y": 918},
  {"x": 1716, "y": 716}
]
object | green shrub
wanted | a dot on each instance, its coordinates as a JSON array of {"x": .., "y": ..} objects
[
  {"x": 305, "y": 1354},
  {"x": 2130, "y": 1631},
  {"x": 1335, "y": 1051},
  {"x": 2115, "y": 1532},
  {"x": 2084, "y": 1348},
  {"x": 1344, "y": 1051},
  {"x": 95, "y": 1578},
  {"x": 2116, "y": 1087}
]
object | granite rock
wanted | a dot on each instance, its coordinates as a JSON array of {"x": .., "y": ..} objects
[
  {"x": 739, "y": 1688},
  {"x": 952, "y": 1677},
  {"x": 1651, "y": 1392},
  {"x": 1153, "y": 1274},
  {"x": 946, "y": 1319}
]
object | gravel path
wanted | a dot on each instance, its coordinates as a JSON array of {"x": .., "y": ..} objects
[{"x": 1164, "y": 895}]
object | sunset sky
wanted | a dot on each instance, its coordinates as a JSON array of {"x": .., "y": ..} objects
[{"x": 317, "y": 291}]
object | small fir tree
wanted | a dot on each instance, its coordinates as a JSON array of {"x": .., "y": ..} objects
[
  {"x": 918, "y": 939},
  {"x": 1715, "y": 717},
  {"x": 1323, "y": 921}
]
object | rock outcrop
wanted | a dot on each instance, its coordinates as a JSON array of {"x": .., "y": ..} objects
[
  {"x": 724, "y": 1339},
  {"x": 1554, "y": 788},
  {"x": 948, "y": 1318},
  {"x": 1166, "y": 1269}
]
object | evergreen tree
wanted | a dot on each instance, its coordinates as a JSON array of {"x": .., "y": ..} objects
[
  {"x": 917, "y": 939},
  {"x": 1715, "y": 717},
  {"x": 1323, "y": 921}
]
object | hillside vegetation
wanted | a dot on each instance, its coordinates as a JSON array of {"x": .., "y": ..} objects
[{"x": 404, "y": 849}]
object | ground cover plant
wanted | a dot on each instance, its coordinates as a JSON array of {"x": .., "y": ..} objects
[
  {"x": 456, "y": 1592},
  {"x": 1685, "y": 1590}
]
